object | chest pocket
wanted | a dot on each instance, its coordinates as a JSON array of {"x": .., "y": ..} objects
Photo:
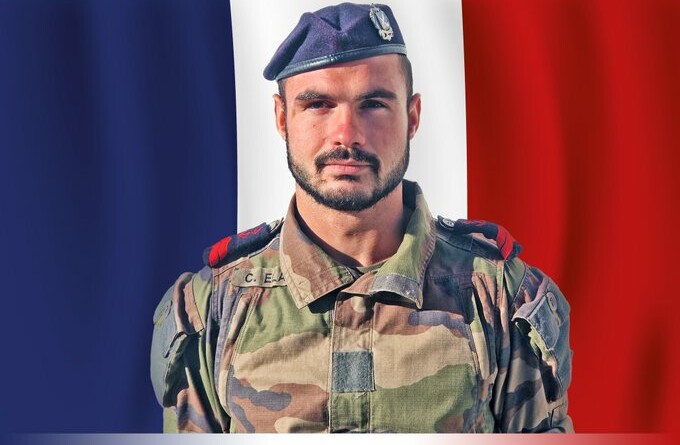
[
  {"x": 434, "y": 357},
  {"x": 274, "y": 370}
]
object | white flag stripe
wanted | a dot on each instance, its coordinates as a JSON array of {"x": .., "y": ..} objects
[{"x": 433, "y": 31}]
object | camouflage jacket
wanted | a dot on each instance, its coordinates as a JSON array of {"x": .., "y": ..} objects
[{"x": 447, "y": 335}]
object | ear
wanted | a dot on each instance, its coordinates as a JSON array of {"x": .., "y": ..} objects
[
  {"x": 280, "y": 115},
  {"x": 413, "y": 115}
]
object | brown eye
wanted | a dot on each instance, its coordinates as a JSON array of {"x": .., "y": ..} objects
[
  {"x": 317, "y": 105},
  {"x": 373, "y": 104}
]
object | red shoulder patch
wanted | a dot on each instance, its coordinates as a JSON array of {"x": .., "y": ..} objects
[
  {"x": 219, "y": 251},
  {"x": 236, "y": 246},
  {"x": 506, "y": 243}
]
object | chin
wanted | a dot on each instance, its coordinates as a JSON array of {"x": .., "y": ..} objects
[
  {"x": 352, "y": 181},
  {"x": 347, "y": 185}
]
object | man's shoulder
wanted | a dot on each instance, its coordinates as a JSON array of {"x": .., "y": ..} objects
[
  {"x": 477, "y": 247},
  {"x": 234, "y": 249},
  {"x": 479, "y": 238}
]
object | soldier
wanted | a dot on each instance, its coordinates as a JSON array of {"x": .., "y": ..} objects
[{"x": 359, "y": 312}]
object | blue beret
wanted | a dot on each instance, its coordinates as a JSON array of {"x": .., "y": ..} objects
[{"x": 336, "y": 34}]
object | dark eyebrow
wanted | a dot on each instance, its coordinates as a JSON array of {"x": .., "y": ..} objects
[
  {"x": 375, "y": 94},
  {"x": 311, "y": 95},
  {"x": 378, "y": 94}
]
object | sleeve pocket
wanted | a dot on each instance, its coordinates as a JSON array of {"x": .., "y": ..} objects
[
  {"x": 171, "y": 333},
  {"x": 545, "y": 322}
]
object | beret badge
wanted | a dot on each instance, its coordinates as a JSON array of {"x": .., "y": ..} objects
[{"x": 381, "y": 22}]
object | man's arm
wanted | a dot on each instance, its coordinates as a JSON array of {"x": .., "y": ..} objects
[
  {"x": 535, "y": 365},
  {"x": 182, "y": 357}
]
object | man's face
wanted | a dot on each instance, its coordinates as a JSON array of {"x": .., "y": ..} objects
[{"x": 347, "y": 130}]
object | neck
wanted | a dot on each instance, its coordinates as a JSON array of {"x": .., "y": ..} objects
[{"x": 355, "y": 238}]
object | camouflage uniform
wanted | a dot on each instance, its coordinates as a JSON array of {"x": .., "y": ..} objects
[{"x": 445, "y": 336}]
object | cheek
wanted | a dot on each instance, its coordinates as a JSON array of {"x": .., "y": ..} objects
[
  {"x": 310, "y": 132},
  {"x": 391, "y": 123},
  {"x": 304, "y": 142},
  {"x": 389, "y": 134}
]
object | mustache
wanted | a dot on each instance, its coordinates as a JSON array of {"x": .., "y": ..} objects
[{"x": 342, "y": 153}]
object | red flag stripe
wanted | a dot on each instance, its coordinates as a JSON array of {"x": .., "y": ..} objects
[{"x": 573, "y": 112}]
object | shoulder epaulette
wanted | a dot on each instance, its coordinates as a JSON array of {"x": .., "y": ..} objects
[
  {"x": 506, "y": 243},
  {"x": 233, "y": 247}
]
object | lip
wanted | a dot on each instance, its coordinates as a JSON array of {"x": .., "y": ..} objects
[{"x": 346, "y": 167}]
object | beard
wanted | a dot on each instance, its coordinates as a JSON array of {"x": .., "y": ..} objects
[{"x": 353, "y": 200}]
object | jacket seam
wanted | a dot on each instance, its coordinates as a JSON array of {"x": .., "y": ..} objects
[{"x": 522, "y": 285}]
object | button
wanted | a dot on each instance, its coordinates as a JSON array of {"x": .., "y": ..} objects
[
  {"x": 552, "y": 301},
  {"x": 446, "y": 222},
  {"x": 275, "y": 224}
]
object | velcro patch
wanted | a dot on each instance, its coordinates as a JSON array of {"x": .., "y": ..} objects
[
  {"x": 353, "y": 371},
  {"x": 258, "y": 277}
]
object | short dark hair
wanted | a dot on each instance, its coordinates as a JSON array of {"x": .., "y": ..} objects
[{"x": 406, "y": 69}]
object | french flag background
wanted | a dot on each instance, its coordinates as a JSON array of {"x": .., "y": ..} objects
[{"x": 134, "y": 133}]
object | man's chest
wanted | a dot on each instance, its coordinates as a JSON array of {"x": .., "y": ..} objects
[{"x": 352, "y": 363}]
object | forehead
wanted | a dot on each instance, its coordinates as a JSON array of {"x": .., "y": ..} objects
[{"x": 383, "y": 71}]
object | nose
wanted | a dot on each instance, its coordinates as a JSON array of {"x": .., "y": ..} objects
[{"x": 348, "y": 130}]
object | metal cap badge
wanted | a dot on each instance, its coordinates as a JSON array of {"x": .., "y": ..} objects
[{"x": 381, "y": 22}]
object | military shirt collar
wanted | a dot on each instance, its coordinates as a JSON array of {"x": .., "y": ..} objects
[{"x": 311, "y": 273}]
